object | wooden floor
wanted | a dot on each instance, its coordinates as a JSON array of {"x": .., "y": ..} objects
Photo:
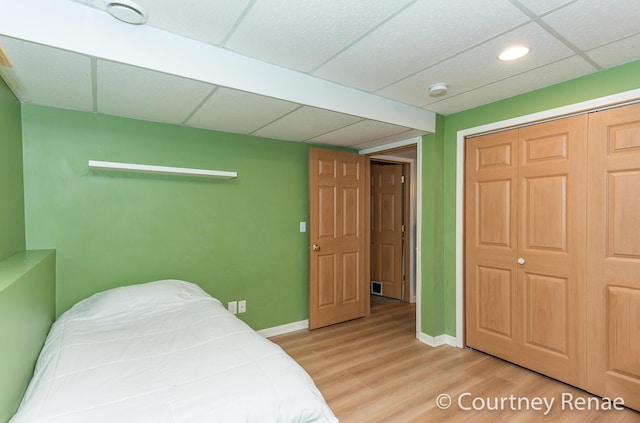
[{"x": 374, "y": 370}]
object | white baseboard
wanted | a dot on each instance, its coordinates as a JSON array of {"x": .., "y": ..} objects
[
  {"x": 436, "y": 341},
  {"x": 282, "y": 329}
]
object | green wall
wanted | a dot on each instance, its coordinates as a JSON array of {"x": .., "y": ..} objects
[
  {"x": 27, "y": 278},
  {"x": 12, "y": 238},
  {"x": 432, "y": 294},
  {"x": 27, "y": 284},
  {"x": 238, "y": 238},
  {"x": 600, "y": 84}
]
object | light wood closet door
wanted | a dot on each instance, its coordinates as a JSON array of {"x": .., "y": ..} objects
[
  {"x": 613, "y": 297},
  {"x": 491, "y": 244},
  {"x": 525, "y": 246},
  {"x": 552, "y": 241}
]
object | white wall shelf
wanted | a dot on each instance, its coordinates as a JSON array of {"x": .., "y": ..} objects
[{"x": 133, "y": 167}]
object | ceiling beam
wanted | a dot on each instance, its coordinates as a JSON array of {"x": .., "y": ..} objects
[{"x": 78, "y": 28}]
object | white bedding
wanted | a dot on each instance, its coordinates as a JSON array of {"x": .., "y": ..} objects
[{"x": 164, "y": 351}]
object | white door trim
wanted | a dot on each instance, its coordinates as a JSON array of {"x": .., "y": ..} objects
[
  {"x": 521, "y": 120},
  {"x": 417, "y": 141}
]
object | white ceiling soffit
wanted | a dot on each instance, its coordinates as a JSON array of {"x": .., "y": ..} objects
[{"x": 74, "y": 27}]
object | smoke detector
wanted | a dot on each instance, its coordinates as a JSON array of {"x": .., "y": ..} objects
[
  {"x": 439, "y": 89},
  {"x": 127, "y": 11}
]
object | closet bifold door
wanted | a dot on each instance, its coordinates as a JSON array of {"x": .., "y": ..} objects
[
  {"x": 613, "y": 295},
  {"x": 552, "y": 192},
  {"x": 525, "y": 246},
  {"x": 491, "y": 177}
]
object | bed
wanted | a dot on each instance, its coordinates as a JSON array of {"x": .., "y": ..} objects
[{"x": 164, "y": 351}]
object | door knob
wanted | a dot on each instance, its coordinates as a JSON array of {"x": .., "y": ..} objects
[
  {"x": 316, "y": 247},
  {"x": 521, "y": 260}
]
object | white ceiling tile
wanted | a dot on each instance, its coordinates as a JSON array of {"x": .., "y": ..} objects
[
  {"x": 306, "y": 122},
  {"x": 303, "y": 34},
  {"x": 544, "y": 76},
  {"x": 209, "y": 21},
  {"x": 480, "y": 65},
  {"x": 48, "y": 76},
  {"x": 137, "y": 93},
  {"x": 592, "y": 23},
  {"x": 540, "y": 7},
  {"x": 359, "y": 133},
  {"x": 98, "y": 4},
  {"x": 238, "y": 112},
  {"x": 437, "y": 29},
  {"x": 617, "y": 53}
]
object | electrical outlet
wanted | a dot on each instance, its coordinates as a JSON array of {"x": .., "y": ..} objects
[
  {"x": 232, "y": 306},
  {"x": 242, "y": 306}
]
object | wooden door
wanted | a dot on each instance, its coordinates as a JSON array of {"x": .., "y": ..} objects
[
  {"x": 387, "y": 198},
  {"x": 525, "y": 246},
  {"x": 491, "y": 244},
  {"x": 613, "y": 295},
  {"x": 552, "y": 241},
  {"x": 338, "y": 236}
]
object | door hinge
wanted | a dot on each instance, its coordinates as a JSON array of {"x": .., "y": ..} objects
[
  {"x": 402, "y": 228},
  {"x": 402, "y": 179}
]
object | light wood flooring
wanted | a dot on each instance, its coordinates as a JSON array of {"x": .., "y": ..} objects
[{"x": 374, "y": 370}]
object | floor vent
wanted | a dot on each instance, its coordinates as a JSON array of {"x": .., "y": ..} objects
[{"x": 376, "y": 288}]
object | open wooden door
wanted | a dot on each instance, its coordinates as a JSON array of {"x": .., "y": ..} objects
[{"x": 338, "y": 237}]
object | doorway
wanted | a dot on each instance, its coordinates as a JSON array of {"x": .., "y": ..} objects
[{"x": 393, "y": 224}]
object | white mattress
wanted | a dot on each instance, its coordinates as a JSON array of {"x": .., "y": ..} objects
[{"x": 164, "y": 351}]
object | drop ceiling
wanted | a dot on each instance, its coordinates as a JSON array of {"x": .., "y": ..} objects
[{"x": 349, "y": 73}]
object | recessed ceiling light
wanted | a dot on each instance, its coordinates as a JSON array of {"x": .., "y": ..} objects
[
  {"x": 514, "y": 53},
  {"x": 439, "y": 89},
  {"x": 127, "y": 11}
]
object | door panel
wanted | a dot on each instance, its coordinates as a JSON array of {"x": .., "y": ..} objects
[
  {"x": 494, "y": 213},
  {"x": 613, "y": 297},
  {"x": 552, "y": 240},
  {"x": 494, "y": 287},
  {"x": 351, "y": 291},
  {"x": 387, "y": 197},
  {"x": 545, "y": 300},
  {"x": 338, "y": 288},
  {"x": 624, "y": 213},
  {"x": 491, "y": 254},
  {"x": 624, "y": 327},
  {"x": 326, "y": 208},
  {"x": 326, "y": 280},
  {"x": 545, "y": 213}
]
